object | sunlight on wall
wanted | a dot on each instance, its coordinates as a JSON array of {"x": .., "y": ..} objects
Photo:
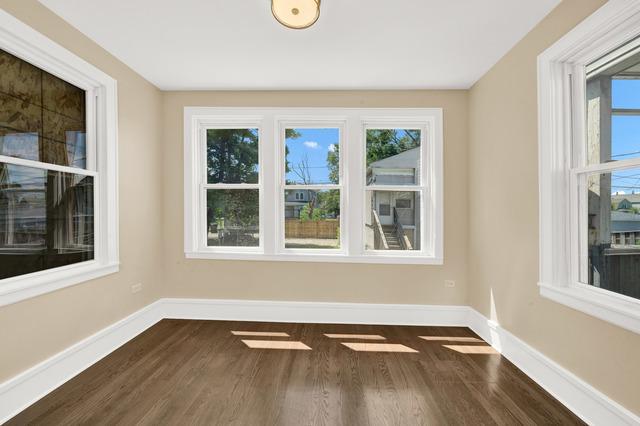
[{"x": 493, "y": 315}]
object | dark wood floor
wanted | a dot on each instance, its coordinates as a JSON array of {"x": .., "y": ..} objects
[{"x": 198, "y": 372}]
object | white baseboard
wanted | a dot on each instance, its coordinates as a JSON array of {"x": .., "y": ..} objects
[
  {"x": 585, "y": 401},
  {"x": 591, "y": 405},
  {"x": 21, "y": 391},
  {"x": 315, "y": 312}
]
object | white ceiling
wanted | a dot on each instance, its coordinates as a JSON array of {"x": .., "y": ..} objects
[{"x": 356, "y": 44}]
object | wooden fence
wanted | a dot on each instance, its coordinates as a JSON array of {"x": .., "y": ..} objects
[{"x": 325, "y": 228}]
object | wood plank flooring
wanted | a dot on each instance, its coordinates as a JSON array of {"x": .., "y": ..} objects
[{"x": 198, "y": 372}]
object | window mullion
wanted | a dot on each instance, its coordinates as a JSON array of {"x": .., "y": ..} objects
[
  {"x": 354, "y": 159},
  {"x": 269, "y": 186}
]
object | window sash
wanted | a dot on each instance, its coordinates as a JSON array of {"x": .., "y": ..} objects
[
  {"x": 580, "y": 170},
  {"x": 310, "y": 123},
  {"x": 91, "y": 98},
  {"x": 221, "y": 123}
]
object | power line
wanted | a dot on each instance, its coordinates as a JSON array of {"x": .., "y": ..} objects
[{"x": 626, "y": 154}]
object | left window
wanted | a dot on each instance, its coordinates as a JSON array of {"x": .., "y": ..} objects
[
  {"x": 57, "y": 166},
  {"x": 46, "y": 215},
  {"x": 231, "y": 187}
]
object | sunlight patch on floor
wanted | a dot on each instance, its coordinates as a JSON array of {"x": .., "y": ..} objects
[
  {"x": 260, "y": 333},
  {"x": 356, "y": 336},
  {"x": 274, "y": 344},
  {"x": 379, "y": 347},
  {"x": 468, "y": 349},
  {"x": 451, "y": 339}
]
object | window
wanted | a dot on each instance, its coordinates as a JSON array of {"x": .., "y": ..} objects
[
  {"x": 394, "y": 187},
  {"x": 232, "y": 187},
  {"x": 314, "y": 184},
  {"x": 58, "y": 206},
  {"x": 590, "y": 166},
  {"x": 311, "y": 163}
]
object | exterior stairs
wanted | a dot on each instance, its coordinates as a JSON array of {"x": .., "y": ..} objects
[{"x": 390, "y": 236}]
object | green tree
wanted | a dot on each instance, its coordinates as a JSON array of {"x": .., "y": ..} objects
[
  {"x": 232, "y": 155},
  {"x": 289, "y": 134},
  {"x": 385, "y": 143},
  {"x": 329, "y": 202},
  {"x": 333, "y": 163},
  {"x": 238, "y": 208}
]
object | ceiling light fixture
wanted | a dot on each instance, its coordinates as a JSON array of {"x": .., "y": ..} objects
[{"x": 296, "y": 14}]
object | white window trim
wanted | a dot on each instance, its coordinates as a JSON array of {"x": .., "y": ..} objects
[
  {"x": 561, "y": 72},
  {"x": 352, "y": 122},
  {"x": 26, "y": 43}
]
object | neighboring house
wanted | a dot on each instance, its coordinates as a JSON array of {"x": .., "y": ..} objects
[
  {"x": 295, "y": 201},
  {"x": 625, "y": 228},
  {"x": 398, "y": 212},
  {"x": 400, "y": 169},
  {"x": 625, "y": 201}
]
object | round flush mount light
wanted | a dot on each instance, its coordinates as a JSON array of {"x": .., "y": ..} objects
[{"x": 296, "y": 14}]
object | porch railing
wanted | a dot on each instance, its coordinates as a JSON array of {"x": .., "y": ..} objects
[
  {"x": 405, "y": 244},
  {"x": 379, "y": 240}
]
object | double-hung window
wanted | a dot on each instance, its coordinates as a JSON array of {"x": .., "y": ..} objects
[
  {"x": 58, "y": 204},
  {"x": 311, "y": 186},
  {"x": 589, "y": 100},
  {"x": 231, "y": 187},
  {"x": 314, "y": 184}
]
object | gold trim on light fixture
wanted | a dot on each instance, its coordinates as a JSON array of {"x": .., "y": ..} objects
[{"x": 296, "y": 14}]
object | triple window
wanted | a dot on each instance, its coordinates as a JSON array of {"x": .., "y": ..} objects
[{"x": 314, "y": 184}]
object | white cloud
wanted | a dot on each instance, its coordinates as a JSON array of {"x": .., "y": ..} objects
[
  {"x": 310, "y": 144},
  {"x": 332, "y": 148}
]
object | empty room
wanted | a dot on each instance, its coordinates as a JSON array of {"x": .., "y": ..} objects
[{"x": 320, "y": 212}]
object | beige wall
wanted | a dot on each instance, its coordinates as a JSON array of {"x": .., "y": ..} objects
[
  {"x": 314, "y": 281},
  {"x": 491, "y": 220},
  {"x": 35, "y": 329},
  {"x": 503, "y": 197}
]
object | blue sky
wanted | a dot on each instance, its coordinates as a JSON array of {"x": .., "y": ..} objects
[
  {"x": 625, "y": 135},
  {"x": 313, "y": 144}
]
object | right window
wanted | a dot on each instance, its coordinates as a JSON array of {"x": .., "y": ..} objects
[
  {"x": 589, "y": 166},
  {"x": 610, "y": 176},
  {"x": 393, "y": 188}
]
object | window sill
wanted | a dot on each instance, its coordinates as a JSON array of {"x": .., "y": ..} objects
[
  {"x": 15, "y": 289},
  {"x": 329, "y": 258},
  {"x": 617, "y": 309}
]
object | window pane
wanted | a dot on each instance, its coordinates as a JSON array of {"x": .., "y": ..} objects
[
  {"x": 624, "y": 136},
  {"x": 625, "y": 92},
  {"x": 312, "y": 156},
  {"x": 42, "y": 117},
  {"x": 393, "y": 157},
  {"x": 614, "y": 231},
  {"x": 312, "y": 219},
  {"x": 392, "y": 220},
  {"x": 233, "y": 217},
  {"x": 613, "y": 112},
  {"x": 232, "y": 156},
  {"x": 46, "y": 219}
]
